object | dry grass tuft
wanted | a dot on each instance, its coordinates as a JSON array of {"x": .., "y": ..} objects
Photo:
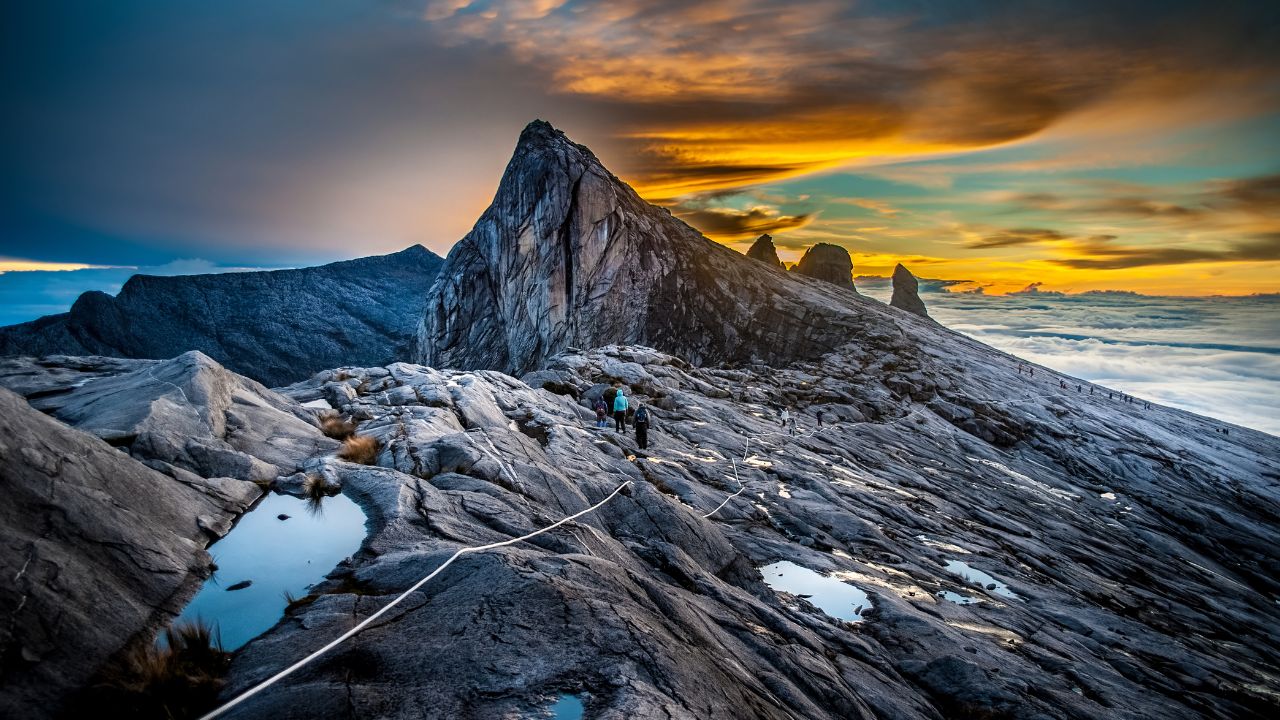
[
  {"x": 180, "y": 680},
  {"x": 361, "y": 449},
  {"x": 337, "y": 427}
]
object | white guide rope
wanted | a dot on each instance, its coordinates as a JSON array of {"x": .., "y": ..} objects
[{"x": 365, "y": 623}]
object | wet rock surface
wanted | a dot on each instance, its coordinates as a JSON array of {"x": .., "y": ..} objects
[
  {"x": 1138, "y": 547},
  {"x": 95, "y": 549},
  {"x": 829, "y": 263},
  {"x": 906, "y": 292},
  {"x": 569, "y": 256},
  {"x": 276, "y": 327},
  {"x": 764, "y": 251}
]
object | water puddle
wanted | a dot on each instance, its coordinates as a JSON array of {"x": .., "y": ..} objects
[
  {"x": 567, "y": 707},
  {"x": 958, "y": 599},
  {"x": 833, "y": 597},
  {"x": 977, "y": 577},
  {"x": 276, "y": 557}
]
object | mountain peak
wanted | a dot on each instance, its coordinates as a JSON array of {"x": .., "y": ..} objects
[
  {"x": 569, "y": 255},
  {"x": 906, "y": 292},
  {"x": 764, "y": 251}
]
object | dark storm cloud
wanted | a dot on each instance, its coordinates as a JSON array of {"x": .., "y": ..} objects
[{"x": 1015, "y": 237}]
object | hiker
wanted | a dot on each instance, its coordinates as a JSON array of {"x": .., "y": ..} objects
[
  {"x": 792, "y": 430},
  {"x": 620, "y": 411},
  {"x": 1031, "y": 371},
  {"x": 786, "y": 416},
  {"x": 1079, "y": 388},
  {"x": 641, "y": 424},
  {"x": 602, "y": 413},
  {"x": 819, "y": 419}
]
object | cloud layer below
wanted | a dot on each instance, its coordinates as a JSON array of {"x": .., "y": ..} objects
[{"x": 1213, "y": 356}]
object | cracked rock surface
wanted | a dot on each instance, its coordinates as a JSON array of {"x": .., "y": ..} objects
[
  {"x": 95, "y": 548},
  {"x": 1132, "y": 552}
]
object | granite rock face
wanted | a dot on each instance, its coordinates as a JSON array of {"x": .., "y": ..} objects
[
  {"x": 764, "y": 251},
  {"x": 567, "y": 255},
  {"x": 1129, "y": 555},
  {"x": 95, "y": 549},
  {"x": 906, "y": 292},
  {"x": 188, "y": 413},
  {"x": 829, "y": 263},
  {"x": 275, "y": 327}
]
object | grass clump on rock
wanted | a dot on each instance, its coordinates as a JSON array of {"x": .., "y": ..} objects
[
  {"x": 182, "y": 679},
  {"x": 361, "y": 449},
  {"x": 337, "y": 427}
]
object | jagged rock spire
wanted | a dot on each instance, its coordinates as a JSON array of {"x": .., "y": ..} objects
[
  {"x": 906, "y": 292},
  {"x": 764, "y": 251},
  {"x": 828, "y": 262},
  {"x": 568, "y": 255}
]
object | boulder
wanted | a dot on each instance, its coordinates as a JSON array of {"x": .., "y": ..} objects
[{"x": 95, "y": 549}]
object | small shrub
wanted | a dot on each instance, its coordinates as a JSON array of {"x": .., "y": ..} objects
[
  {"x": 361, "y": 449},
  {"x": 337, "y": 427}
]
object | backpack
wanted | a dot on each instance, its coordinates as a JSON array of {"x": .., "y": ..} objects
[{"x": 642, "y": 415}]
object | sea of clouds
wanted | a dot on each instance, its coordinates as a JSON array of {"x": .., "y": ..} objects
[{"x": 1216, "y": 356}]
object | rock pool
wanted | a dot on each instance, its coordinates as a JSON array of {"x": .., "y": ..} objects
[
  {"x": 276, "y": 556},
  {"x": 833, "y": 597}
]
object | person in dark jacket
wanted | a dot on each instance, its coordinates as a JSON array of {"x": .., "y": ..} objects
[
  {"x": 620, "y": 411},
  {"x": 602, "y": 413},
  {"x": 641, "y": 423}
]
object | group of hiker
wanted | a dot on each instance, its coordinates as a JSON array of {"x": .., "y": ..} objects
[
  {"x": 614, "y": 401},
  {"x": 1062, "y": 385}
]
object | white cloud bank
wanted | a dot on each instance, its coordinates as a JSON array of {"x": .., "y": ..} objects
[{"x": 1213, "y": 356}]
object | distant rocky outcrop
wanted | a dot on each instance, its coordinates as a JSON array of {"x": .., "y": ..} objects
[
  {"x": 764, "y": 251},
  {"x": 827, "y": 262},
  {"x": 275, "y": 327},
  {"x": 95, "y": 548},
  {"x": 906, "y": 292},
  {"x": 568, "y": 255}
]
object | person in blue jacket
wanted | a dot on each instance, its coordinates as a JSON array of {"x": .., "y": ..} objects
[{"x": 620, "y": 411}]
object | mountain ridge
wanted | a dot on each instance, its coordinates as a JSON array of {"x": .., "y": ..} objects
[{"x": 275, "y": 326}]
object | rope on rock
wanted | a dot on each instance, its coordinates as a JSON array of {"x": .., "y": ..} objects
[{"x": 382, "y": 611}]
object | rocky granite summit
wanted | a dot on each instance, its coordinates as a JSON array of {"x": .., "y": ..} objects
[
  {"x": 567, "y": 255},
  {"x": 829, "y": 263},
  {"x": 906, "y": 292},
  {"x": 1018, "y": 546},
  {"x": 764, "y": 251},
  {"x": 276, "y": 327}
]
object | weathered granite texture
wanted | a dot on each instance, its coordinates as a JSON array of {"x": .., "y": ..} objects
[
  {"x": 95, "y": 548},
  {"x": 275, "y": 327},
  {"x": 567, "y": 255},
  {"x": 906, "y": 292},
  {"x": 1141, "y": 546}
]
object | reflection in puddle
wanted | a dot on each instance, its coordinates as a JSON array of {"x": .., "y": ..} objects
[
  {"x": 837, "y": 599},
  {"x": 977, "y": 577},
  {"x": 567, "y": 707},
  {"x": 278, "y": 557},
  {"x": 957, "y": 598}
]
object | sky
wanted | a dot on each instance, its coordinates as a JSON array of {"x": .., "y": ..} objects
[{"x": 1082, "y": 145}]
